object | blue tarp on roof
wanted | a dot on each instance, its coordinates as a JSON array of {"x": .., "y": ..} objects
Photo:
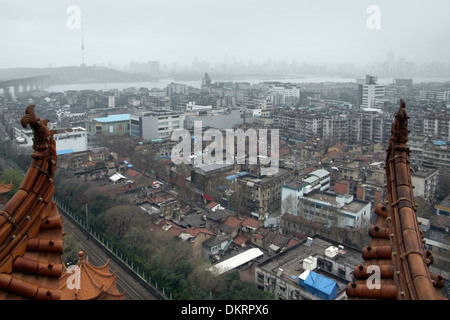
[
  {"x": 60, "y": 152},
  {"x": 232, "y": 177},
  {"x": 114, "y": 118},
  {"x": 320, "y": 286}
]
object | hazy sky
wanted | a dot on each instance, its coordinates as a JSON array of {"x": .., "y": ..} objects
[{"x": 35, "y": 33}]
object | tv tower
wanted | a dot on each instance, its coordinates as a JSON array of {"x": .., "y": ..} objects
[{"x": 82, "y": 50}]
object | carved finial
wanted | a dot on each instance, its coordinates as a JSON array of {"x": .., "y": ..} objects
[
  {"x": 42, "y": 135},
  {"x": 43, "y": 142},
  {"x": 30, "y": 117},
  {"x": 400, "y": 124}
]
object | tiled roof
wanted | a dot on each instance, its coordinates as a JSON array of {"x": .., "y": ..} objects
[
  {"x": 232, "y": 222},
  {"x": 132, "y": 174},
  {"x": 169, "y": 227},
  {"x": 240, "y": 240},
  {"x": 87, "y": 282},
  {"x": 31, "y": 227},
  {"x": 292, "y": 243},
  {"x": 249, "y": 222},
  {"x": 259, "y": 236},
  {"x": 211, "y": 205},
  {"x": 194, "y": 231},
  {"x": 396, "y": 252}
]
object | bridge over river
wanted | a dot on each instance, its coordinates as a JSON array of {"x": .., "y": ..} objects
[{"x": 24, "y": 85}]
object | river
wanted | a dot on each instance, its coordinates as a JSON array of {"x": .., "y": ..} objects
[{"x": 162, "y": 83}]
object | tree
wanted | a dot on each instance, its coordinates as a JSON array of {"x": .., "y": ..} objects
[
  {"x": 233, "y": 288},
  {"x": 122, "y": 145},
  {"x": 288, "y": 205},
  {"x": 202, "y": 278},
  {"x": 71, "y": 249},
  {"x": 125, "y": 220}
]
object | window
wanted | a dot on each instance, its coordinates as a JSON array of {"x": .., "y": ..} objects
[{"x": 260, "y": 276}]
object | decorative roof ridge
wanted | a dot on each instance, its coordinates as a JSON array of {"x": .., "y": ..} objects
[
  {"x": 92, "y": 280},
  {"x": 22, "y": 222},
  {"x": 104, "y": 295},
  {"x": 101, "y": 270},
  {"x": 42, "y": 135},
  {"x": 396, "y": 246}
]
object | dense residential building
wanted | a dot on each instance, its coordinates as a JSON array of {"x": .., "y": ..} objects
[
  {"x": 262, "y": 195},
  {"x": 316, "y": 269},
  {"x": 430, "y": 153},
  {"x": 331, "y": 176},
  {"x": 155, "y": 125},
  {"x": 437, "y": 126},
  {"x": 175, "y": 88},
  {"x": 280, "y": 93},
  {"x": 299, "y": 125},
  {"x": 309, "y": 200},
  {"x": 337, "y": 210},
  {"x": 443, "y": 207},
  {"x": 221, "y": 119},
  {"x": 71, "y": 140},
  {"x": 425, "y": 182},
  {"x": 68, "y": 140},
  {"x": 435, "y": 95},
  {"x": 118, "y": 124}
]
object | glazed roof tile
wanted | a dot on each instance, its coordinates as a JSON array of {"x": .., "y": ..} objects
[
  {"x": 396, "y": 248},
  {"x": 87, "y": 282},
  {"x": 30, "y": 225}
]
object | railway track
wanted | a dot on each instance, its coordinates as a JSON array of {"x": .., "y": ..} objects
[{"x": 98, "y": 257}]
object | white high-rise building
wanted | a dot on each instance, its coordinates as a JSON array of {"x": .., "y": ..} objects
[
  {"x": 371, "y": 94},
  {"x": 111, "y": 101}
]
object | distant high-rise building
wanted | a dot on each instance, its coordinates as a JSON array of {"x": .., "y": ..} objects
[
  {"x": 206, "y": 82},
  {"x": 175, "y": 88},
  {"x": 111, "y": 101},
  {"x": 370, "y": 94}
]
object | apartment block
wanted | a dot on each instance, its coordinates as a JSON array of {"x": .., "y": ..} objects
[
  {"x": 156, "y": 125},
  {"x": 316, "y": 269},
  {"x": 335, "y": 210},
  {"x": 425, "y": 182},
  {"x": 262, "y": 195},
  {"x": 371, "y": 94}
]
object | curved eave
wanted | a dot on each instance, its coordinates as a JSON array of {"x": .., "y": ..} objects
[
  {"x": 396, "y": 251},
  {"x": 31, "y": 226}
]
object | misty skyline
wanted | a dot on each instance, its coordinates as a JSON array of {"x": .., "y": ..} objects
[{"x": 36, "y": 33}]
